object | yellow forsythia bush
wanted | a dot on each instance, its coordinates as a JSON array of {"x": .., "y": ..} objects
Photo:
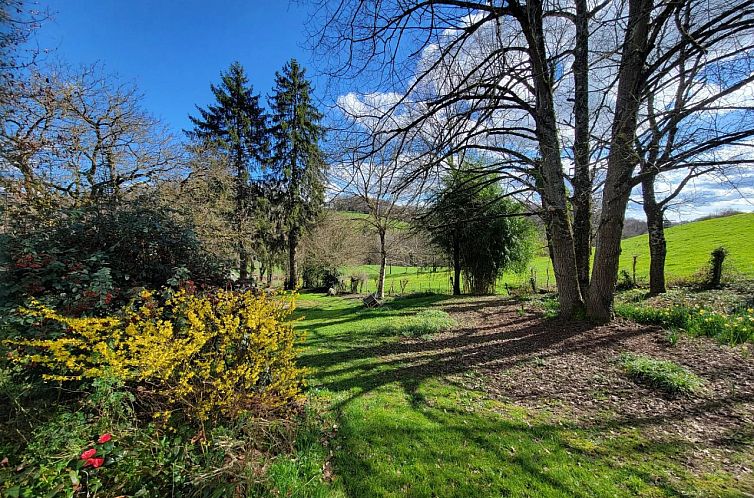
[{"x": 207, "y": 355}]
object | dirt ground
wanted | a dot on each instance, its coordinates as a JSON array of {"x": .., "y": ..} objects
[{"x": 573, "y": 369}]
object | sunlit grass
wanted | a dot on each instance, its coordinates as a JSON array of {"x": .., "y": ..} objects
[
  {"x": 401, "y": 428},
  {"x": 663, "y": 374}
]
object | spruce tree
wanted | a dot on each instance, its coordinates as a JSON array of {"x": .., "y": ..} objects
[
  {"x": 297, "y": 157},
  {"x": 237, "y": 126}
]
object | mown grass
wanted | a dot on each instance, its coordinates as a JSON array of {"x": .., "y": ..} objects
[
  {"x": 402, "y": 424},
  {"x": 662, "y": 374}
]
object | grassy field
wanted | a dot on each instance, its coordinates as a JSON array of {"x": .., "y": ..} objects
[
  {"x": 397, "y": 427},
  {"x": 689, "y": 248}
]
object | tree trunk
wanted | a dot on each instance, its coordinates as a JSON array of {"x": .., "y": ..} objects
[
  {"x": 553, "y": 191},
  {"x": 383, "y": 264},
  {"x": 620, "y": 163},
  {"x": 243, "y": 256},
  {"x": 456, "y": 267},
  {"x": 656, "y": 231},
  {"x": 582, "y": 181},
  {"x": 243, "y": 265},
  {"x": 292, "y": 267}
]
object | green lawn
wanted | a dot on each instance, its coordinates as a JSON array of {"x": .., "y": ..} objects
[
  {"x": 689, "y": 248},
  {"x": 401, "y": 425}
]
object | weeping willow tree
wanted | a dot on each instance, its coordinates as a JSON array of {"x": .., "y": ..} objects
[{"x": 483, "y": 232}]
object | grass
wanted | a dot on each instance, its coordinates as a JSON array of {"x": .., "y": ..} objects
[
  {"x": 662, "y": 374},
  {"x": 728, "y": 327},
  {"x": 689, "y": 248},
  {"x": 690, "y": 245},
  {"x": 422, "y": 324},
  {"x": 401, "y": 423}
]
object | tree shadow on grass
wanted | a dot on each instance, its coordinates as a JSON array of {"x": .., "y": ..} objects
[
  {"x": 442, "y": 451},
  {"x": 369, "y": 367},
  {"x": 380, "y": 385}
]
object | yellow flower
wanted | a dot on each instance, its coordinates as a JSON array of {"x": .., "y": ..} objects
[{"x": 204, "y": 355}]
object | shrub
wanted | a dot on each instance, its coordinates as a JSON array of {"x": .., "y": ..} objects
[
  {"x": 319, "y": 275},
  {"x": 717, "y": 257},
  {"x": 87, "y": 254},
  {"x": 625, "y": 282},
  {"x": 661, "y": 374},
  {"x": 236, "y": 458},
  {"x": 203, "y": 355}
]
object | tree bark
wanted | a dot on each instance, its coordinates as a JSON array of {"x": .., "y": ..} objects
[
  {"x": 582, "y": 181},
  {"x": 456, "y": 267},
  {"x": 383, "y": 264},
  {"x": 292, "y": 266},
  {"x": 620, "y": 163},
  {"x": 553, "y": 191},
  {"x": 243, "y": 261},
  {"x": 656, "y": 232}
]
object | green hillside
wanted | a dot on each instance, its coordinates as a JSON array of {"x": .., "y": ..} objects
[{"x": 689, "y": 247}]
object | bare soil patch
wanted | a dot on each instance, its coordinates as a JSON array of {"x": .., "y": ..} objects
[{"x": 573, "y": 369}]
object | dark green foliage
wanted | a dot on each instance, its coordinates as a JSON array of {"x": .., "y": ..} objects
[
  {"x": 473, "y": 221},
  {"x": 296, "y": 132},
  {"x": 90, "y": 256},
  {"x": 297, "y": 159},
  {"x": 662, "y": 374},
  {"x": 237, "y": 126},
  {"x": 625, "y": 282},
  {"x": 318, "y": 274},
  {"x": 143, "y": 458},
  {"x": 236, "y": 123}
]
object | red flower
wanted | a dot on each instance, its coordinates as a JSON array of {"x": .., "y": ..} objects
[
  {"x": 94, "y": 462},
  {"x": 104, "y": 438},
  {"x": 88, "y": 454}
]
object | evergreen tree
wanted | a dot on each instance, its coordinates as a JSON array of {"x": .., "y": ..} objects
[
  {"x": 237, "y": 126},
  {"x": 297, "y": 157},
  {"x": 479, "y": 229}
]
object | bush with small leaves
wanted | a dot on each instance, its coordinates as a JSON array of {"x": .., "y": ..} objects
[{"x": 205, "y": 356}]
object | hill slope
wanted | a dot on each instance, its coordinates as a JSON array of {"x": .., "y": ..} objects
[{"x": 689, "y": 246}]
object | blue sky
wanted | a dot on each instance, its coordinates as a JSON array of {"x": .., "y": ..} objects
[{"x": 172, "y": 50}]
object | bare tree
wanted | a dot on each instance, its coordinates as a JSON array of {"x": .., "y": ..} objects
[
  {"x": 82, "y": 136},
  {"x": 512, "y": 80},
  {"x": 380, "y": 183},
  {"x": 696, "y": 117}
]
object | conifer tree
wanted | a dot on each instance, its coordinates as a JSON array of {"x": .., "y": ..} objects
[
  {"x": 297, "y": 157},
  {"x": 237, "y": 126}
]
